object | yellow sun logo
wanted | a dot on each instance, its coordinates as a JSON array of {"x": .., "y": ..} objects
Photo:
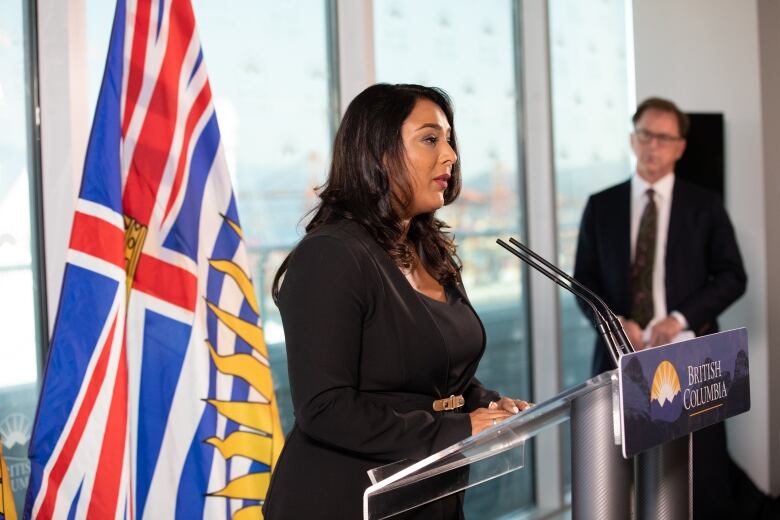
[{"x": 666, "y": 383}]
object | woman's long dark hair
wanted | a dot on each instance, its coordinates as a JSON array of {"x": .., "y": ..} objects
[{"x": 369, "y": 181}]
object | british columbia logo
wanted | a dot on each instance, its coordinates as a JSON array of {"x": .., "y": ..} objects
[
  {"x": 704, "y": 386},
  {"x": 665, "y": 400}
]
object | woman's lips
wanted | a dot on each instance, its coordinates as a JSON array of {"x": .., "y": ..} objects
[{"x": 442, "y": 180}]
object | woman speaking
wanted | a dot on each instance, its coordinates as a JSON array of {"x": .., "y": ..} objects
[{"x": 382, "y": 342}]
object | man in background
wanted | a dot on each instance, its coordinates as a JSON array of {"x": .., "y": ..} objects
[{"x": 663, "y": 255}]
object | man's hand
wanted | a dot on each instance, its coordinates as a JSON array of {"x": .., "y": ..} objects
[
  {"x": 634, "y": 333},
  {"x": 664, "y": 331}
]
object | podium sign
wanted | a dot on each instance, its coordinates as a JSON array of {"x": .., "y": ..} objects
[{"x": 670, "y": 391}]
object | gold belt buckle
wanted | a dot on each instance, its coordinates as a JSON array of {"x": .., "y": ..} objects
[{"x": 452, "y": 402}]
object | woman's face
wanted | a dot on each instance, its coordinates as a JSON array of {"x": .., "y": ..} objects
[{"x": 429, "y": 156}]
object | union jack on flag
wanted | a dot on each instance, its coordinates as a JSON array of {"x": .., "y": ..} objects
[{"x": 157, "y": 400}]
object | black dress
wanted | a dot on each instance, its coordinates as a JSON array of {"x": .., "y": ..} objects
[{"x": 367, "y": 355}]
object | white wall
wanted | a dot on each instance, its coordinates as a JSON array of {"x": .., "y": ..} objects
[{"x": 704, "y": 55}]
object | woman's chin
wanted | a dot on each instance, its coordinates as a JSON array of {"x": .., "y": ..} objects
[
  {"x": 438, "y": 203},
  {"x": 430, "y": 207}
]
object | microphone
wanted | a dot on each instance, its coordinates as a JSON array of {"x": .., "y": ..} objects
[
  {"x": 614, "y": 323},
  {"x": 601, "y": 323}
]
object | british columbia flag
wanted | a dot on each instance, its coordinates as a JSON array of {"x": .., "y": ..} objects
[{"x": 157, "y": 400}]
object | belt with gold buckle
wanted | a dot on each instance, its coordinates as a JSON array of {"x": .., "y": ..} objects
[{"x": 452, "y": 402}]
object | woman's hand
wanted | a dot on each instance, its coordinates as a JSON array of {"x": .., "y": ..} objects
[
  {"x": 497, "y": 411},
  {"x": 510, "y": 405},
  {"x": 484, "y": 418}
]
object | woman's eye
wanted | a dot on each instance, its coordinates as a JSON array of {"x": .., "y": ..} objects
[{"x": 431, "y": 139}]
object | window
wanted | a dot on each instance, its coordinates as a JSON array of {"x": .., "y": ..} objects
[
  {"x": 469, "y": 51},
  {"x": 592, "y": 106},
  {"x": 273, "y": 100},
  {"x": 19, "y": 308},
  {"x": 592, "y": 103}
]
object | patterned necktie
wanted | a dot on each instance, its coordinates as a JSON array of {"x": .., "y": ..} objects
[{"x": 642, "y": 308}]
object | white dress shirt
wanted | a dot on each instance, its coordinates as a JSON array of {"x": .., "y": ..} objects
[{"x": 663, "y": 203}]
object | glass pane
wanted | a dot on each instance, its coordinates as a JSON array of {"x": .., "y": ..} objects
[
  {"x": 468, "y": 50},
  {"x": 100, "y": 17},
  {"x": 592, "y": 101},
  {"x": 272, "y": 97},
  {"x": 18, "y": 313}
]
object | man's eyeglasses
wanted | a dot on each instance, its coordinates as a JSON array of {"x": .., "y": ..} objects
[{"x": 644, "y": 137}]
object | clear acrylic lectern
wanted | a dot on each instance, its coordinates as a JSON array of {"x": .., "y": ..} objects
[{"x": 601, "y": 477}]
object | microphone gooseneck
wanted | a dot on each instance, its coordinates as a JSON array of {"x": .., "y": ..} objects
[
  {"x": 614, "y": 323},
  {"x": 602, "y": 325}
]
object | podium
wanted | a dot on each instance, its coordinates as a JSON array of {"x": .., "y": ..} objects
[{"x": 630, "y": 431}]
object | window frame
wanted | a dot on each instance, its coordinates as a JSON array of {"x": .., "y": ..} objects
[
  {"x": 60, "y": 126},
  {"x": 32, "y": 98}
]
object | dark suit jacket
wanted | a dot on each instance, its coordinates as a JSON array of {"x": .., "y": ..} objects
[
  {"x": 704, "y": 271},
  {"x": 365, "y": 363}
]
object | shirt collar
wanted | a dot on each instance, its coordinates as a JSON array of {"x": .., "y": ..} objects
[{"x": 663, "y": 188}]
